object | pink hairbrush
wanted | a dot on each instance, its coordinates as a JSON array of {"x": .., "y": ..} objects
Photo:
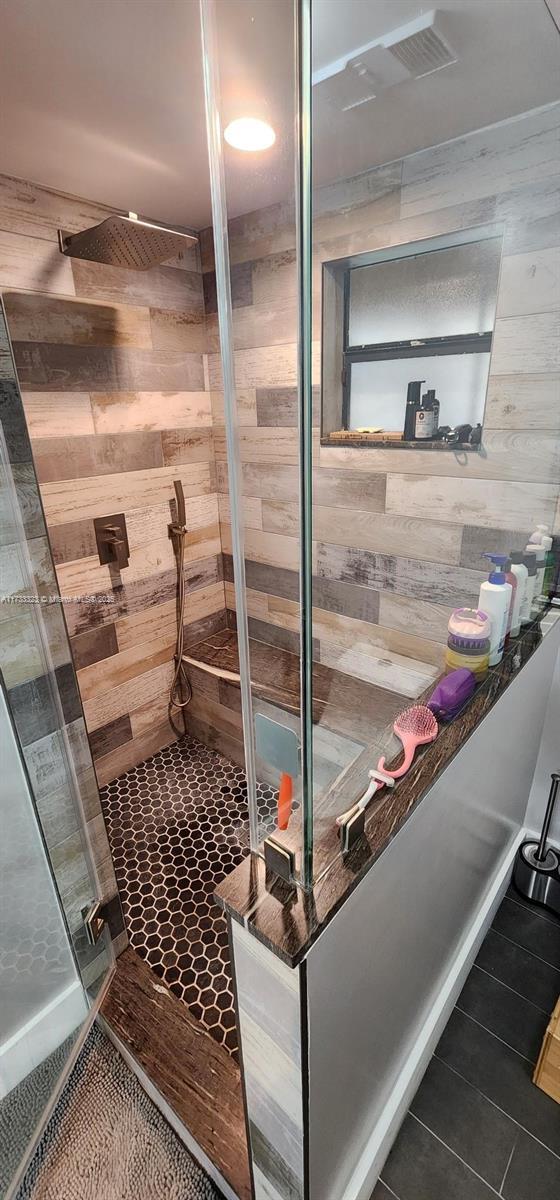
[{"x": 415, "y": 726}]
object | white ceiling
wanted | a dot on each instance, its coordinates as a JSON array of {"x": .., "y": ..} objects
[{"x": 104, "y": 98}]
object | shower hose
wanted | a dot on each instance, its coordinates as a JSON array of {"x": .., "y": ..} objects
[{"x": 181, "y": 691}]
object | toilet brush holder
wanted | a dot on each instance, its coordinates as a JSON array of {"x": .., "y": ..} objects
[{"x": 536, "y": 874}]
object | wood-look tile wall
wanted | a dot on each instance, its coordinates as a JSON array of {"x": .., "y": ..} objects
[
  {"x": 398, "y": 534},
  {"x": 111, "y": 367}
]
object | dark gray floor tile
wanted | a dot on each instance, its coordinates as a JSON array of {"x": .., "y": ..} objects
[
  {"x": 537, "y": 909},
  {"x": 468, "y": 1123},
  {"x": 533, "y": 1172},
  {"x": 520, "y": 970},
  {"x": 421, "y": 1168},
  {"x": 529, "y": 930},
  {"x": 511, "y": 1017},
  {"x": 382, "y": 1192},
  {"x": 501, "y": 1074}
]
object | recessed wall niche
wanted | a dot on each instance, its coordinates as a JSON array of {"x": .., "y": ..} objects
[{"x": 407, "y": 336}]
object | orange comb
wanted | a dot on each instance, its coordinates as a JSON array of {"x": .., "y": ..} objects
[{"x": 285, "y": 797}]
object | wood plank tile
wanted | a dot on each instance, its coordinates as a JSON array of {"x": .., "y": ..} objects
[
  {"x": 100, "y": 710},
  {"x": 529, "y": 344},
  {"x": 187, "y": 445},
  {"x": 96, "y": 454},
  {"x": 112, "y": 493},
  {"x": 46, "y": 367},
  {"x": 71, "y": 541},
  {"x": 272, "y": 548},
  {"x": 160, "y": 620},
  {"x": 471, "y": 501},
  {"x": 506, "y": 454},
  {"x": 275, "y": 277},
  {"x": 251, "y": 509},
  {"x": 523, "y": 402},
  {"x": 246, "y": 408},
  {"x": 132, "y": 752},
  {"x": 91, "y": 647},
  {"x": 58, "y": 414},
  {"x": 405, "y": 676},
  {"x": 123, "y": 666},
  {"x": 139, "y": 595},
  {"x": 280, "y": 516},
  {"x": 529, "y": 283},
  {"x": 37, "y": 212},
  {"x": 278, "y": 407},
  {"x": 163, "y": 287},
  {"x": 110, "y": 736},
  {"x": 196, "y": 1077},
  {"x": 410, "y": 615},
  {"x": 348, "y": 599},
  {"x": 151, "y": 524},
  {"x": 273, "y": 481},
  {"x": 267, "y": 325},
  {"x": 241, "y": 287},
  {"x": 173, "y": 330},
  {"x": 429, "y": 581},
  {"x": 386, "y": 534},
  {"x": 482, "y": 163},
  {"x": 84, "y": 577},
  {"x": 477, "y": 540},
  {"x": 33, "y": 318},
  {"x": 35, "y": 265},
  {"x": 122, "y": 412}
]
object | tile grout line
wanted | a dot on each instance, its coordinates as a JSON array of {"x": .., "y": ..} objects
[
  {"x": 495, "y": 1035},
  {"x": 455, "y": 1155},
  {"x": 508, "y": 1164},
  {"x": 543, "y": 916},
  {"x": 524, "y": 948},
  {"x": 498, "y": 1107},
  {"x": 514, "y": 991}
]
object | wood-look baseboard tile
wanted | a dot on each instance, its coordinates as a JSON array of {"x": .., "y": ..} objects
[
  {"x": 58, "y": 414},
  {"x": 173, "y": 330},
  {"x": 471, "y": 501},
  {"x": 114, "y": 493},
  {"x": 187, "y": 446},
  {"x": 97, "y": 454},
  {"x": 124, "y": 412},
  {"x": 72, "y": 541},
  {"x": 33, "y": 318},
  {"x": 91, "y": 647},
  {"x": 35, "y": 265},
  {"x": 523, "y": 402},
  {"x": 46, "y": 367},
  {"x": 109, "y": 737},
  {"x": 132, "y": 752},
  {"x": 161, "y": 286}
]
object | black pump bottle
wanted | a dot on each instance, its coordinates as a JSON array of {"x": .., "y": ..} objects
[{"x": 413, "y": 403}]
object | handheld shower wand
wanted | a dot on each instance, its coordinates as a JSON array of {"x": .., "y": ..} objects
[{"x": 181, "y": 691}]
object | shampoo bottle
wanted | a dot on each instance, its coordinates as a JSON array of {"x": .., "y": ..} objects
[
  {"x": 495, "y": 599},
  {"x": 530, "y": 561},
  {"x": 540, "y": 557},
  {"x": 521, "y": 573}
]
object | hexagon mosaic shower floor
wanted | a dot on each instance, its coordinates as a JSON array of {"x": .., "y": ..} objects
[{"x": 177, "y": 826}]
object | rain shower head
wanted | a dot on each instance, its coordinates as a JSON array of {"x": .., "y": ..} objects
[{"x": 126, "y": 241}]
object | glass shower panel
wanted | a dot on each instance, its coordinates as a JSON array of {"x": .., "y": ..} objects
[
  {"x": 249, "y": 260},
  {"x": 405, "y": 155}
]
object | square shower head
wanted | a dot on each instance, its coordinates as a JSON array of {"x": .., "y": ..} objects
[{"x": 126, "y": 241}]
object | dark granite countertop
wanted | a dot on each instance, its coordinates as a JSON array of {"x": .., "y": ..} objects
[{"x": 289, "y": 920}]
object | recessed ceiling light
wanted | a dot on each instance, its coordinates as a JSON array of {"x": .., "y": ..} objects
[{"x": 249, "y": 133}]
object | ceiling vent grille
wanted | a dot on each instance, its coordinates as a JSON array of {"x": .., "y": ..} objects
[{"x": 423, "y": 52}]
